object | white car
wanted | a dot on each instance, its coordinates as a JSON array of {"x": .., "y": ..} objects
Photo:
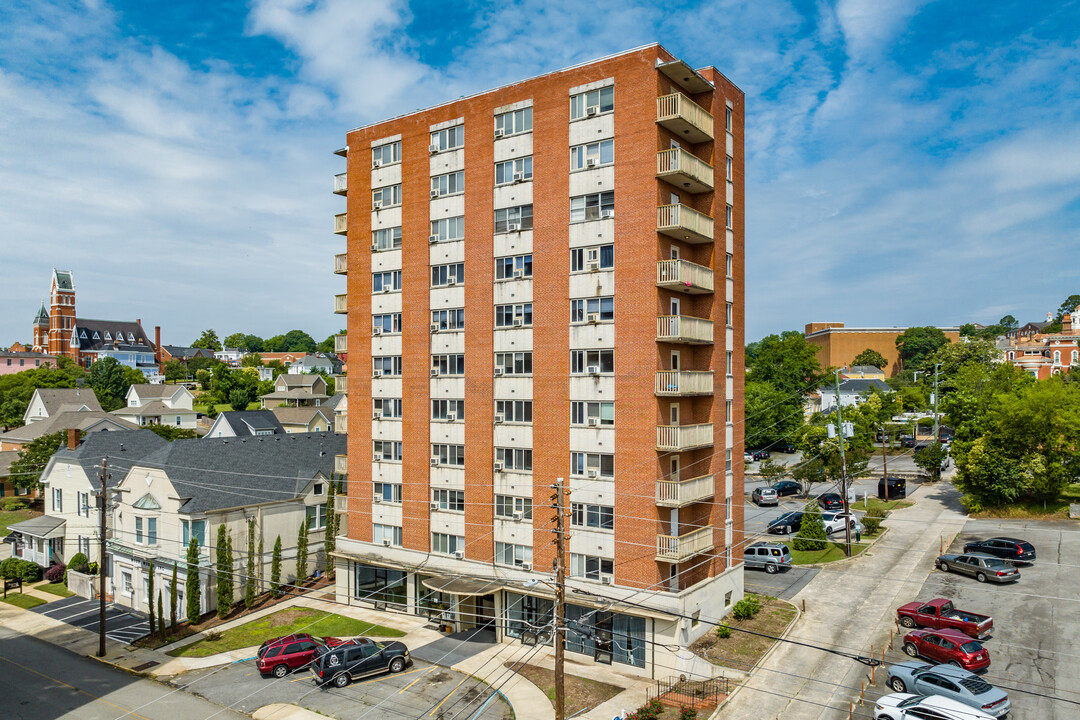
[
  {"x": 905, "y": 706},
  {"x": 834, "y": 522},
  {"x": 747, "y": 457}
]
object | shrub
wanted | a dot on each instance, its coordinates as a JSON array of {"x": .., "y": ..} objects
[
  {"x": 972, "y": 504},
  {"x": 723, "y": 632},
  {"x": 746, "y": 608},
  {"x": 9, "y": 568},
  {"x": 812, "y": 532},
  {"x": 13, "y": 504},
  {"x": 28, "y": 571},
  {"x": 78, "y": 562},
  {"x": 56, "y": 573},
  {"x": 92, "y": 569},
  {"x": 687, "y": 713},
  {"x": 872, "y": 520}
]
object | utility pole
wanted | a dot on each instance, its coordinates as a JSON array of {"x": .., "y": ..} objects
[
  {"x": 103, "y": 566},
  {"x": 936, "y": 368},
  {"x": 560, "y": 597},
  {"x": 843, "y": 468}
]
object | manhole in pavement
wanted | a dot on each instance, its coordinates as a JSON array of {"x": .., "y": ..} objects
[{"x": 145, "y": 666}]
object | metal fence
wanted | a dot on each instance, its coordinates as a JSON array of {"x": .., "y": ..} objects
[{"x": 677, "y": 691}]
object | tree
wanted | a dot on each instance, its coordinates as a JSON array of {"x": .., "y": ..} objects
[
  {"x": 329, "y": 542},
  {"x": 930, "y": 459},
  {"x": 196, "y": 364},
  {"x": 1008, "y": 322},
  {"x": 236, "y": 340},
  {"x": 33, "y": 457},
  {"x": 262, "y": 562},
  {"x": 327, "y": 345},
  {"x": 772, "y": 470},
  {"x": 275, "y": 568},
  {"x": 241, "y": 396},
  {"x": 969, "y": 330},
  {"x": 161, "y": 617},
  {"x": 302, "y": 553},
  {"x": 249, "y": 580},
  {"x": 172, "y": 599},
  {"x": 786, "y": 361},
  {"x": 1068, "y": 307},
  {"x": 194, "y": 590},
  {"x": 251, "y": 360},
  {"x": 224, "y": 578},
  {"x": 917, "y": 344},
  {"x": 110, "y": 381},
  {"x": 150, "y": 601},
  {"x": 274, "y": 344},
  {"x": 811, "y": 535},
  {"x": 770, "y": 414},
  {"x": 175, "y": 371},
  {"x": 203, "y": 378},
  {"x": 207, "y": 341},
  {"x": 299, "y": 341},
  {"x": 871, "y": 357},
  {"x": 170, "y": 432}
]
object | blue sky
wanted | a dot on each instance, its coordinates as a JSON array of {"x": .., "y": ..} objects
[{"x": 908, "y": 163}]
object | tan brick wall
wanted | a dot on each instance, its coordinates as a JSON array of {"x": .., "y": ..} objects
[{"x": 839, "y": 348}]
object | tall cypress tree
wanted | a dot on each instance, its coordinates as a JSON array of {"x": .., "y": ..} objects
[
  {"x": 161, "y": 617},
  {"x": 194, "y": 589},
  {"x": 249, "y": 580},
  {"x": 150, "y": 600},
  {"x": 262, "y": 563},
  {"x": 173, "y": 599},
  {"x": 275, "y": 568},
  {"x": 301, "y": 552},
  {"x": 222, "y": 574},
  {"x": 330, "y": 536}
]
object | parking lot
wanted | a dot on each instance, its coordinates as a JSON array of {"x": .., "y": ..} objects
[
  {"x": 1036, "y": 642},
  {"x": 121, "y": 624}
]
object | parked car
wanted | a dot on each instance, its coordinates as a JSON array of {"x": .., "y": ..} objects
[
  {"x": 343, "y": 664},
  {"x": 830, "y": 501},
  {"x": 747, "y": 457},
  {"x": 951, "y": 682},
  {"x": 834, "y": 522},
  {"x": 940, "y": 613},
  {"x": 907, "y": 441},
  {"x": 947, "y": 646},
  {"x": 979, "y": 566},
  {"x": 279, "y": 656},
  {"x": 765, "y": 496},
  {"x": 891, "y": 488},
  {"x": 1006, "y": 548},
  {"x": 901, "y": 706},
  {"x": 787, "y": 487},
  {"x": 769, "y": 556},
  {"x": 786, "y": 524},
  {"x": 761, "y": 454},
  {"x": 783, "y": 446}
]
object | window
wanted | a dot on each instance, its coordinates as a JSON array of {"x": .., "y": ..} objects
[
  {"x": 583, "y": 362},
  {"x": 589, "y": 463},
  {"x": 507, "y": 505},
  {"x": 592, "y": 207},
  {"x": 727, "y": 169},
  {"x": 727, "y": 119},
  {"x": 601, "y": 257},
  {"x": 387, "y": 323},
  {"x": 388, "y": 450},
  {"x": 517, "y": 170},
  {"x": 151, "y": 531},
  {"x": 84, "y": 545},
  {"x": 387, "y": 154},
  {"x": 592, "y": 309},
  {"x": 448, "y": 364},
  {"x": 513, "y": 122},
  {"x": 58, "y": 500},
  {"x": 514, "y": 266},
  {"x": 729, "y": 412},
  {"x": 449, "y": 138},
  {"x": 453, "y": 500},
  {"x": 194, "y": 529},
  {"x": 592, "y": 516},
  {"x": 125, "y": 582},
  {"x": 590, "y": 567},
  {"x": 514, "y": 218},
  {"x": 730, "y": 360},
  {"x": 448, "y": 184},
  {"x": 389, "y": 492},
  {"x": 386, "y": 281},
  {"x": 514, "y": 363},
  {"x": 513, "y": 315},
  {"x": 447, "y": 544},
  {"x": 386, "y": 238},
  {"x": 514, "y": 458},
  {"x": 449, "y": 229},
  {"x": 453, "y": 319},
  {"x": 515, "y": 555},
  {"x": 385, "y": 365},
  {"x": 519, "y": 411},
  {"x": 730, "y": 314},
  {"x": 592, "y": 413},
  {"x": 381, "y": 533},
  {"x": 451, "y": 410},
  {"x": 448, "y": 454},
  {"x": 729, "y": 216},
  {"x": 139, "y": 530},
  {"x": 83, "y": 500},
  {"x": 728, "y": 262},
  {"x": 316, "y": 517},
  {"x": 388, "y": 196},
  {"x": 388, "y": 407},
  {"x": 592, "y": 102},
  {"x": 727, "y": 460},
  {"x": 452, "y": 274},
  {"x": 592, "y": 154}
]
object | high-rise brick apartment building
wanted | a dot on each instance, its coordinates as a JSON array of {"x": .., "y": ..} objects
[{"x": 546, "y": 280}]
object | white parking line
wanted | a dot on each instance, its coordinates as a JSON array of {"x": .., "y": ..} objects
[{"x": 65, "y": 608}]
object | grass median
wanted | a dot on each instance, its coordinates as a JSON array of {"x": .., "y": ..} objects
[
  {"x": 283, "y": 622},
  {"x": 833, "y": 551},
  {"x": 24, "y": 601},
  {"x": 55, "y": 589}
]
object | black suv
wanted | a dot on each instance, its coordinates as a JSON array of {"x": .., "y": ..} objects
[
  {"x": 786, "y": 524},
  {"x": 830, "y": 501},
  {"x": 891, "y": 489},
  {"x": 345, "y": 663},
  {"x": 1011, "y": 549}
]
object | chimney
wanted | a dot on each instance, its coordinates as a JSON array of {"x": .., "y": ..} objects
[
  {"x": 1049, "y": 317},
  {"x": 72, "y": 438},
  {"x": 157, "y": 346},
  {"x": 138, "y": 322}
]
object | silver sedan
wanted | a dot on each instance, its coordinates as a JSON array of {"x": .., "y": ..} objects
[{"x": 984, "y": 568}]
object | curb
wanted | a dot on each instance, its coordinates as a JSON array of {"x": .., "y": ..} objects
[{"x": 847, "y": 560}]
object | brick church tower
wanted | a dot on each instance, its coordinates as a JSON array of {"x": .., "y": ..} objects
[
  {"x": 62, "y": 315},
  {"x": 41, "y": 329}
]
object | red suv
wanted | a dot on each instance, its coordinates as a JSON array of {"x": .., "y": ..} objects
[
  {"x": 280, "y": 655},
  {"x": 947, "y": 646}
]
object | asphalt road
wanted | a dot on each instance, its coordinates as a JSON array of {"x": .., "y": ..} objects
[
  {"x": 121, "y": 624},
  {"x": 39, "y": 681},
  {"x": 784, "y": 585}
]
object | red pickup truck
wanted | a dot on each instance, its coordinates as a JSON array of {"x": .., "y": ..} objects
[{"x": 940, "y": 613}]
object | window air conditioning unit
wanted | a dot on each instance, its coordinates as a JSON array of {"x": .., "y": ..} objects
[
  {"x": 459, "y": 554},
  {"x": 593, "y": 473},
  {"x": 591, "y": 110},
  {"x": 433, "y": 148},
  {"x": 594, "y": 422},
  {"x": 378, "y": 458},
  {"x": 434, "y": 372},
  {"x": 593, "y": 369},
  {"x": 377, "y": 498},
  {"x": 593, "y": 318},
  {"x": 605, "y": 579},
  {"x": 434, "y": 506},
  {"x": 434, "y": 461},
  {"x": 376, "y": 164},
  {"x": 518, "y": 322},
  {"x": 451, "y": 281},
  {"x": 451, "y": 417},
  {"x": 518, "y": 515},
  {"x": 377, "y": 415},
  {"x": 434, "y": 194},
  {"x": 591, "y": 162},
  {"x": 519, "y": 177},
  {"x": 377, "y": 373},
  {"x": 607, "y": 213},
  {"x": 433, "y": 238},
  {"x": 376, "y": 205},
  {"x": 499, "y": 419},
  {"x": 434, "y": 327},
  {"x": 498, "y": 466},
  {"x": 593, "y": 266},
  {"x": 374, "y": 247},
  {"x": 386, "y": 288},
  {"x": 498, "y": 372},
  {"x": 513, "y": 227},
  {"x": 376, "y": 331},
  {"x": 499, "y": 132},
  {"x": 386, "y": 542},
  {"x": 519, "y": 273},
  {"x": 526, "y": 566}
]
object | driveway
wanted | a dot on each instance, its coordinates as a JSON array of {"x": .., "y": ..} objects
[
  {"x": 784, "y": 585},
  {"x": 121, "y": 624}
]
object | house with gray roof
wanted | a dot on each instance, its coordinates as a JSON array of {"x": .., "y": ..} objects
[
  {"x": 305, "y": 419},
  {"x": 46, "y": 402},
  {"x": 296, "y": 391},
  {"x": 314, "y": 364},
  {"x": 245, "y": 423},
  {"x": 852, "y": 392},
  {"x": 86, "y": 421},
  {"x": 153, "y": 404}
]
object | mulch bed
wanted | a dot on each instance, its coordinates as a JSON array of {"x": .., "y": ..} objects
[{"x": 581, "y": 693}]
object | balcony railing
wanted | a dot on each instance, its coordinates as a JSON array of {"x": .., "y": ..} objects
[
  {"x": 341, "y": 184},
  {"x": 684, "y": 117},
  {"x": 341, "y": 503},
  {"x": 341, "y": 304},
  {"x": 684, "y": 170},
  {"x": 684, "y": 223},
  {"x": 341, "y": 226},
  {"x": 341, "y": 464},
  {"x": 673, "y": 549},
  {"x": 680, "y": 383},
  {"x": 341, "y": 264},
  {"x": 684, "y": 329},
  {"x": 677, "y": 438},
  {"x": 341, "y": 344},
  {"x": 684, "y": 276},
  {"x": 676, "y": 493}
]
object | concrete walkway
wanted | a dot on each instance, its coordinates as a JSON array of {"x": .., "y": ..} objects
[{"x": 849, "y": 607}]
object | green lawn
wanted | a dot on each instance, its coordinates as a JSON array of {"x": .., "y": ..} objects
[
  {"x": 10, "y": 517},
  {"x": 225, "y": 407},
  {"x": 833, "y": 551},
  {"x": 24, "y": 601},
  {"x": 1035, "y": 509},
  {"x": 56, "y": 589},
  {"x": 284, "y": 622},
  {"x": 886, "y": 505}
]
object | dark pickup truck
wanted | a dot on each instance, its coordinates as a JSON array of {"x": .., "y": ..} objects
[{"x": 940, "y": 613}]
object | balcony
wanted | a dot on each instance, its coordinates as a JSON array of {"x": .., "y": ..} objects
[
  {"x": 340, "y": 224},
  {"x": 684, "y": 170},
  {"x": 675, "y": 549},
  {"x": 682, "y": 116},
  {"x": 341, "y": 184},
  {"x": 341, "y": 344},
  {"x": 341, "y": 465},
  {"x": 684, "y": 276},
  {"x": 677, "y": 493},
  {"x": 684, "y": 329},
  {"x": 684, "y": 223},
  {"x": 341, "y": 304},
  {"x": 679, "y": 383},
  {"x": 341, "y": 264},
  {"x": 341, "y": 502},
  {"x": 679, "y": 438}
]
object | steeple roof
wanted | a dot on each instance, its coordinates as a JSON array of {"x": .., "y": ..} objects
[
  {"x": 63, "y": 278},
  {"x": 42, "y": 317}
]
